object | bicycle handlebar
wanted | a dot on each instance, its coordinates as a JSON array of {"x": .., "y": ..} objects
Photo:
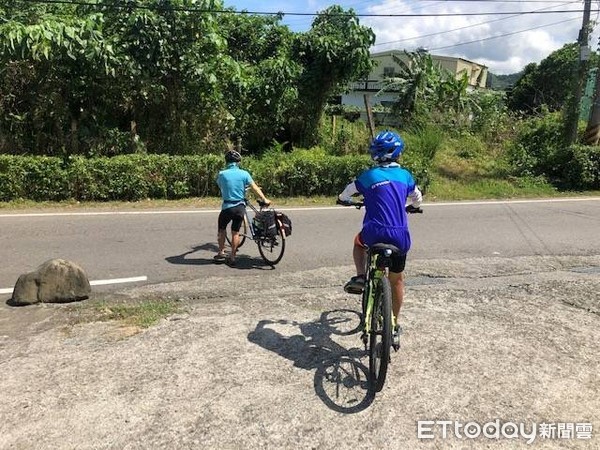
[
  {"x": 259, "y": 202},
  {"x": 357, "y": 205},
  {"x": 410, "y": 209}
]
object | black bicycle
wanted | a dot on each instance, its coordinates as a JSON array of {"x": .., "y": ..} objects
[
  {"x": 263, "y": 227},
  {"x": 376, "y": 318}
]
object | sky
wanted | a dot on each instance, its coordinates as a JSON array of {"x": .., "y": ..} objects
[{"x": 505, "y": 43}]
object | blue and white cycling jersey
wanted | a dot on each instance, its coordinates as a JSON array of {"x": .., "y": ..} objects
[
  {"x": 233, "y": 182},
  {"x": 385, "y": 189}
]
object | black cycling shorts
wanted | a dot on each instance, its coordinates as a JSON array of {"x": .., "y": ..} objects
[
  {"x": 235, "y": 215},
  {"x": 397, "y": 260}
]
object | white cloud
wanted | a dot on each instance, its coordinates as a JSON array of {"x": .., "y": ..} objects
[
  {"x": 490, "y": 40},
  {"x": 508, "y": 52}
]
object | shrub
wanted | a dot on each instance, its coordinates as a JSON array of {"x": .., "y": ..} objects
[
  {"x": 583, "y": 168},
  {"x": 33, "y": 177},
  {"x": 139, "y": 176},
  {"x": 539, "y": 147}
]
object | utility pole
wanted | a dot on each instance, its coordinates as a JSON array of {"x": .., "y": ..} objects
[
  {"x": 592, "y": 132},
  {"x": 584, "y": 52},
  {"x": 370, "y": 121}
]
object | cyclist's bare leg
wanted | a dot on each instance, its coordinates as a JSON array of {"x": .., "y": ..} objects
[
  {"x": 359, "y": 254},
  {"x": 221, "y": 241},
  {"x": 235, "y": 242},
  {"x": 397, "y": 282}
]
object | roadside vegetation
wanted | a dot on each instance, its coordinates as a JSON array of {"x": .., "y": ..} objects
[
  {"x": 101, "y": 106},
  {"x": 141, "y": 313}
]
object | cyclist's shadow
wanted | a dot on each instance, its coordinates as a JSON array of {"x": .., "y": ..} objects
[
  {"x": 188, "y": 258},
  {"x": 341, "y": 380}
]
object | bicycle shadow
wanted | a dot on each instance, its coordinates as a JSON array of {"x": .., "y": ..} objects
[
  {"x": 243, "y": 261},
  {"x": 341, "y": 379}
]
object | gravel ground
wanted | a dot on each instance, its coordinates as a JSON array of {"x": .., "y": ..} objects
[{"x": 249, "y": 365}]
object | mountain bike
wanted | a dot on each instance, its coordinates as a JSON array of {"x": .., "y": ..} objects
[
  {"x": 376, "y": 318},
  {"x": 271, "y": 246}
]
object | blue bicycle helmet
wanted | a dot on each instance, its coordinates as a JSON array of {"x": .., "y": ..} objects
[{"x": 386, "y": 147}]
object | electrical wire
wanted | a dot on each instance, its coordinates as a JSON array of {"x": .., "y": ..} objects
[
  {"x": 461, "y": 28},
  {"x": 285, "y": 13},
  {"x": 503, "y": 35}
]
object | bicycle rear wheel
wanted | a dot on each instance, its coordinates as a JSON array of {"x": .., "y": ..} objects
[
  {"x": 271, "y": 248},
  {"x": 243, "y": 233},
  {"x": 380, "y": 340}
]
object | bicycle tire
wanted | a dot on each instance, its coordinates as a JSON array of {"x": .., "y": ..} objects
[
  {"x": 271, "y": 249},
  {"x": 243, "y": 233},
  {"x": 380, "y": 340}
]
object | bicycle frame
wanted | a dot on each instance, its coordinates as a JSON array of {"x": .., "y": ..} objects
[
  {"x": 271, "y": 248},
  {"x": 249, "y": 221},
  {"x": 375, "y": 270}
]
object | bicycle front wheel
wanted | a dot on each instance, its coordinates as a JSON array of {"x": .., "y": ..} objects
[
  {"x": 243, "y": 233},
  {"x": 380, "y": 340},
  {"x": 271, "y": 248}
]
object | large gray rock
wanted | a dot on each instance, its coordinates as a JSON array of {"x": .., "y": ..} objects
[{"x": 55, "y": 281}]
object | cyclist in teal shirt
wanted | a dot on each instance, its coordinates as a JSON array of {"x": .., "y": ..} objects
[{"x": 233, "y": 183}]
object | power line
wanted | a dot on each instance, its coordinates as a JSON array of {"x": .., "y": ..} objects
[
  {"x": 499, "y": 1},
  {"x": 503, "y": 35},
  {"x": 462, "y": 28},
  {"x": 285, "y": 13}
]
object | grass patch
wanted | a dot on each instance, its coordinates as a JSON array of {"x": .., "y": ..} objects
[
  {"x": 186, "y": 203},
  {"x": 142, "y": 313},
  {"x": 445, "y": 189},
  {"x": 466, "y": 168}
]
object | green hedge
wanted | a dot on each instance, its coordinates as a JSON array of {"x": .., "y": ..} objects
[
  {"x": 583, "y": 167},
  {"x": 140, "y": 176}
]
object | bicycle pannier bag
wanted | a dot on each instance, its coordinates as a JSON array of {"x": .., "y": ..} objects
[
  {"x": 285, "y": 222},
  {"x": 265, "y": 224}
]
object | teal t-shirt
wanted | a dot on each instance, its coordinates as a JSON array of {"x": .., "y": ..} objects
[{"x": 233, "y": 182}]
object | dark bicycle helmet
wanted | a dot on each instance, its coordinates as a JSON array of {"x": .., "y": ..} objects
[
  {"x": 233, "y": 157},
  {"x": 386, "y": 147}
]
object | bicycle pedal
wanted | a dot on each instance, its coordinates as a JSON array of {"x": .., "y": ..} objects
[{"x": 364, "y": 338}]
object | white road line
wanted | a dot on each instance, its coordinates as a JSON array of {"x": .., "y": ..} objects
[
  {"x": 118, "y": 280},
  {"x": 96, "y": 282},
  {"x": 316, "y": 208}
]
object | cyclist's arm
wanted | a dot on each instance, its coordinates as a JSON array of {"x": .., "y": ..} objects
[
  {"x": 416, "y": 197},
  {"x": 259, "y": 192},
  {"x": 349, "y": 191}
]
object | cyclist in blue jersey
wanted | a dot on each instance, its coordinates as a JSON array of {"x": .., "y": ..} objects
[
  {"x": 385, "y": 188},
  {"x": 233, "y": 183}
]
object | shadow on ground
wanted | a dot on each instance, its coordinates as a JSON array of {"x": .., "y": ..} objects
[
  {"x": 243, "y": 261},
  {"x": 341, "y": 379}
]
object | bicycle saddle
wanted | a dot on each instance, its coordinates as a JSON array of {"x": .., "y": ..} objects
[{"x": 381, "y": 246}]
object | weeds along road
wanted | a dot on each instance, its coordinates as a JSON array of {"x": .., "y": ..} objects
[
  {"x": 167, "y": 245},
  {"x": 501, "y": 324}
]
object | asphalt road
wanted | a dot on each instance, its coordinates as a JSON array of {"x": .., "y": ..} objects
[
  {"x": 167, "y": 245},
  {"x": 501, "y": 324}
]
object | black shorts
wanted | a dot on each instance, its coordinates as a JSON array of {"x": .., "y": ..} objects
[
  {"x": 235, "y": 215},
  {"x": 397, "y": 260}
]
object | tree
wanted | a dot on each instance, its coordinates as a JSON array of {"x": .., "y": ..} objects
[
  {"x": 262, "y": 93},
  {"x": 547, "y": 83},
  {"x": 332, "y": 53},
  {"x": 173, "y": 74},
  {"x": 428, "y": 92},
  {"x": 55, "y": 63}
]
